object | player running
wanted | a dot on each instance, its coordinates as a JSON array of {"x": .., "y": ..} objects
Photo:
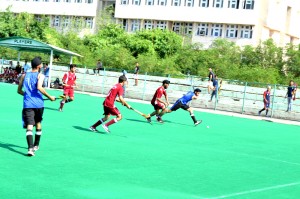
[
  {"x": 159, "y": 105},
  {"x": 109, "y": 106},
  {"x": 69, "y": 82},
  {"x": 183, "y": 103},
  {"x": 267, "y": 98},
  {"x": 33, "y": 103}
]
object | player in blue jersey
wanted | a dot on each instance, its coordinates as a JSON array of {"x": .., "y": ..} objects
[
  {"x": 31, "y": 87},
  {"x": 267, "y": 98},
  {"x": 183, "y": 103}
]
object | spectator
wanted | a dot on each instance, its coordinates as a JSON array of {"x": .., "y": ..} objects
[
  {"x": 18, "y": 68},
  {"x": 136, "y": 72},
  {"x": 289, "y": 95},
  {"x": 215, "y": 89},
  {"x": 26, "y": 66},
  {"x": 99, "y": 67},
  {"x": 46, "y": 73},
  {"x": 211, "y": 75}
]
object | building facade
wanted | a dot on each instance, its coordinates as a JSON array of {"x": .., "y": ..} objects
[{"x": 242, "y": 21}]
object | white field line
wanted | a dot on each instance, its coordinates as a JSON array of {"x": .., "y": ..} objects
[{"x": 256, "y": 190}]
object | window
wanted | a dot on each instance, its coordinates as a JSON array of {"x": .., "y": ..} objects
[
  {"x": 78, "y": 1},
  {"x": 162, "y": 2},
  {"x": 124, "y": 2},
  {"x": 89, "y": 22},
  {"x": 216, "y": 30},
  {"x": 56, "y": 21},
  {"x": 176, "y": 2},
  {"x": 189, "y": 3},
  {"x": 45, "y": 0},
  {"x": 176, "y": 27},
  {"x": 188, "y": 28},
  {"x": 246, "y": 32},
  {"x": 149, "y": 2},
  {"x": 231, "y": 31},
  {"x": 202, "y": 29},
  {"x": 148, "y": 25},
  {"x": 204, "y": 3},
  {"x": 78, "y": 22},
  {"x": 67, "y": 1},
  {"x": 66, "y": 21},
  {"x": 248, "y": 4},
  {"x": 125, "y": 24},
  {"x": 233, "y": 4},
  {"x": 135, "y": 25},
  {"x": 38, "y": 17},
  {"x": 161, "y": 25},
  {"x": 218, "y": 4},
  {"x": 56, "y": 0},
  {"x": 136, "y": 2},
  {"x": 88, "y": 1}
]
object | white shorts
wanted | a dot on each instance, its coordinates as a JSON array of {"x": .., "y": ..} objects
[{"x": 135, "y": 76}]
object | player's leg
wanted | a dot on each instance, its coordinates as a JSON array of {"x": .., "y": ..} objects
[
  {"x": 28, "y": 118},
  {"x": 259, "y": 112},
  {"x": 71, "y": 96},
  {"x": 112, "y": 111},
  {"x": 63, "y": 101},
  {"x": 38, "y": 121},
  {"x": 99, "y": 122}
]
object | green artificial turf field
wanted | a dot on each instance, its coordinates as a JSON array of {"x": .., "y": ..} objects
[{"x": 235, "y": 158}]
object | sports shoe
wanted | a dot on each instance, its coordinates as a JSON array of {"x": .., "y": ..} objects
[
  {"x": 148, "y": 119},
  {"x": 159, "y": 120},
  {"x": 259, "y": 113},
  {"x": 93, "y": 129},
  {"x": 35, "y": 148},
  {"x": 105, "y": 128},
  {"x": 60, "y": 110},
  {"x": 198, "y": 122},
  {"x": 30, "y": 152}
]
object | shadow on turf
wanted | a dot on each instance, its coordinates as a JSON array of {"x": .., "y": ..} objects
[
  {"x": 88, "y": 130},
  {"x": 11, "y": 147}
]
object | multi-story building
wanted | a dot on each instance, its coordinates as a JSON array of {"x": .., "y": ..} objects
[
  {"x": 242, "y": 21},
  {"x": 63, "y": 14}
]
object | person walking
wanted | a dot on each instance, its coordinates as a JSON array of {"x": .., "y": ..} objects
[
  {"x": 30, "y": 87},
  {"x": 266, "y": 100}
]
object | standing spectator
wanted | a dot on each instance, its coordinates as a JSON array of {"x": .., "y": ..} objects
[
  {"x": 18, "y": 68},
  {"x": 209, "y": 86},
  {"x": 33, "y": 104},
  {"x": 46, "y": 73},
  {"x": 289, "y": 95},
  {"x": 99, "y": 67},
  {"x": 211, "y": 75},
  {"x": 266, "y": 100},
  {"x": 125, "y": 83},
  {"x": 215, "y": 89},
  {"x": 26, "y": 66},
  {"x": 136, "y": 72}
]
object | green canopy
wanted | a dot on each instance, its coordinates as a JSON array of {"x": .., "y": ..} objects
[{"x": 31, "y": 45}]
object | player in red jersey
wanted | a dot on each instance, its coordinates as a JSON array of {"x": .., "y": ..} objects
[
  {"x": 109, "y": 105},
  {"x": 69, "y": 82},
  {"x": 158, "y": 103}
]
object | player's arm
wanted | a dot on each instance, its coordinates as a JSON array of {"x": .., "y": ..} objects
[
  {"x": 123, "y": 102},
  {"x": 41, "y": 88},
  {"x": 20, "y": 86},
  {"x": 194, "y": 97}
]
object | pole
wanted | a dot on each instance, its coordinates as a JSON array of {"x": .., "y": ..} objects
[
  {"x": 19, "y": 55},
  {"x": 145, "y": 84},
  {"x": 71, "y": 60},
  {"x": 50, "y": 68},
  {"x": 244, "y": 97},
  {"x": 273, "y": 100}
]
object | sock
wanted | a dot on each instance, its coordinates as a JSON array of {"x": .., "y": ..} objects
[
  {"x": 267, "y": 111},
  {"x": 262, "y": 110},
  {"x": 29, "y": 139},
  {"x": 111, "y": 122},
  {"x": 97, "y": 123},
  {"x": 193, "y": 117},
  {"x": 69, "y": 100},
  {"x": 37, "y": 137},
  {"x": 62, "y": 103}
]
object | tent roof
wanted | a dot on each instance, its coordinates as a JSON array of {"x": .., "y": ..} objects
[{"x": 31, "y": 45}]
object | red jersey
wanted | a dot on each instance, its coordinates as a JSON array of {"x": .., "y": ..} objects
[
  {"x": 158, "y": 94},
  {"x": 115, "y": 91},
  {"x": 69, "y": 79}
]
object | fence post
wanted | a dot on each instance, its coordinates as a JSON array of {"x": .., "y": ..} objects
[
  {"x": 83, "y": 81},
  {"x": 192, "y": 83},
  {"x": 145, "y": 83},
  {"x": 273, "y": 100},
  {"x": 244, "y": 97},
  {"x": 103, "y": 80}
]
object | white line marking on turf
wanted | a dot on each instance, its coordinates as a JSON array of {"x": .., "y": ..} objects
[{"x": 256, "y": 190}]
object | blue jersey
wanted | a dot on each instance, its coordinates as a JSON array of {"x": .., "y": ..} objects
[
  {"x": 187, "y": 97},
  {"x": 290, "y": 91},
  {"x": 33, "y": 98}
]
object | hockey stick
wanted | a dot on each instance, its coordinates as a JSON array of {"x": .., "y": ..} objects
[
  {"x": 140, "y": 113},
  {"x": 59, "y": 97}
]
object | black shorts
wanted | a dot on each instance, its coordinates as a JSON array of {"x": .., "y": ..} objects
[
  {"x": 31, "y": 116},
  {"x": 178, "y": 104}
]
